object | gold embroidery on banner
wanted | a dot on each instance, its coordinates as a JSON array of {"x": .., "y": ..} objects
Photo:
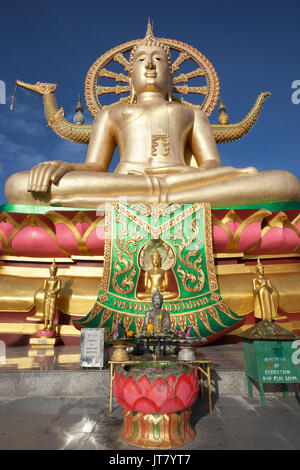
[
  {"x": 210, "y": 263},
  {"x": 106, "y": 335},
  {"x": 182, "y": 322},
  {"x": 96, "y": 309},
  {"x": 193, "y": 321},
  {"x": 143, "y": 308},
  {"x": 214, "y": 314},
  {"x": 215, "y": 297},
  {"x": 225, "y": 310},
  {"x": 204, "y": 319},
  {"x": 157, "y": 231},
  {"x": 173, "y": 322},
  {"x": 139, "y": 322},
  {"x": 156, "y": 210},
  {"x": 103, "y": 298},
  {"x": 123, "y": 241},
  {"x": 190, "y": 281},
  {"x": 127, "y": 320},
  {"x": 104, "y": 285},
  {"x": 187, "y": 250},
  {"x": 118, "y": 316},
  {"x": 105, "y": 317}
]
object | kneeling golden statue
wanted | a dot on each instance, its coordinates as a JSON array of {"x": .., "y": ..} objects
[
  {"x": 158, "y": 137},
  {"x": 265, "y": 296}
]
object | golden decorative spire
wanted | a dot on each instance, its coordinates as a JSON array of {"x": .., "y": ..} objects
[
  {"x": 223, "y": 118},
  {"x": 78, "y": 118}
]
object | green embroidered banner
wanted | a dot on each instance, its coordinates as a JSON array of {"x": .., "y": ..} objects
[{"x": 183, "y": 234}]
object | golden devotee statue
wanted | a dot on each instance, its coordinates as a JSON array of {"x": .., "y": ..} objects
[
  {"x": 157, "y": 320},
  {"x": 264, "y": 296},
  {"x": 51, "y": 287},
  {"x": 167, "y": 149},
  {"x": 156, "y": 278}
]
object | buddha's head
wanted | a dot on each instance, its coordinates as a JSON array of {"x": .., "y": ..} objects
[
  {"x": 53, "y": 269},
  {"x": 150, "y": 67},
  {"x": 259, "y": 268},
  {"x": 156, "y": 259},
  {"x": 157, "y": 299}
]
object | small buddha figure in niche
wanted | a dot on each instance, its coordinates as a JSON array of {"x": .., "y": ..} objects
[
  {"x": 51, "y": 287},
  {"x": 158, "y": 317},
  {"x": 156, "y": 278},
  {"x": 264, "y": 296}
]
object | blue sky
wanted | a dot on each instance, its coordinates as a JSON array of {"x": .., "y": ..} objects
[{"x": 254, "y": 46}]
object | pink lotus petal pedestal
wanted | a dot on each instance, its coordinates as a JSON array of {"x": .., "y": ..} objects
[
  {"x": 157, "y": 406},
  {"x": 44, "y": 339}
]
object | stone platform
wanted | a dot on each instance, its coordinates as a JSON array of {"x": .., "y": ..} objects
[{"x": 56, "y": 373}]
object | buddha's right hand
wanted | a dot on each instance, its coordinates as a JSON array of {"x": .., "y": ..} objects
[{"x": 43, "y": 174}]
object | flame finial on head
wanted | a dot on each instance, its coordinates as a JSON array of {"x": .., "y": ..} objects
[
  {"x": 259, "y": 266},
  {"x": 149, "y": 32}
]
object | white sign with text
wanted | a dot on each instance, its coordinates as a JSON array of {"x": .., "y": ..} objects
[{"x": 92, "y": 352}]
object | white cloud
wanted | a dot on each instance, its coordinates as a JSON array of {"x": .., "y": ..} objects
[
  {"x": 16, "y": 123},
  {"x": 17, "y": 155}
]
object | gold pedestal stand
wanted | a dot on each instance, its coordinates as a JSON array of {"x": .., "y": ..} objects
[
  {"x": 120, "y": 349},
  {"x": 157, "y": 431}
]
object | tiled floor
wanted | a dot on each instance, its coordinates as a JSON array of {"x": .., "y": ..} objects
[
  {"x": 86, "y": 424},
  {"x": 41, "y": 423}
]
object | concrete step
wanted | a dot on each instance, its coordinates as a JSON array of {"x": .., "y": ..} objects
[
  {"x": 66, "y": 383},
  {"x": 32, "y": 373}
]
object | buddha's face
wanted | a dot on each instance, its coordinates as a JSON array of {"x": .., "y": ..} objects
[
  {"x": 150, "y": 70},
  {"x": 157, "y": 302},
  {"x": 260, "y": 270},
  {"x": 156, "y": 261},
  {"x": 53, "y": 271}
]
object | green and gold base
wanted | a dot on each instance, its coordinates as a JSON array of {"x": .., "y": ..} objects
[{"x": 157, "y": 431}]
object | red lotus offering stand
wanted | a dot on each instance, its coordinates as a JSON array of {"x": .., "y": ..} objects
[{"x": 156, "y": 402}]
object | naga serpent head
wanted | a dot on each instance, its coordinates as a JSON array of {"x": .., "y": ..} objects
[{"x": 39, "y": 87}]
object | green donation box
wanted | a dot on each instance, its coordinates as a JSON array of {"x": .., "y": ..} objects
[{"x": 271, "y": 355}]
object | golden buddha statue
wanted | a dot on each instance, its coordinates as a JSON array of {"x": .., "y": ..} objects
[
  {"x": 156, "y": 278},
  {"x": 264, "y": 296},
  {"x": 51, "y": 287},
  {"x": 157, "y": 138}
]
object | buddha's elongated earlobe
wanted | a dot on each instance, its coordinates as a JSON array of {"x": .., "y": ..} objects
[
  {"x": 170, "y": 90},
  {"x": 133, "y": 96}
]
